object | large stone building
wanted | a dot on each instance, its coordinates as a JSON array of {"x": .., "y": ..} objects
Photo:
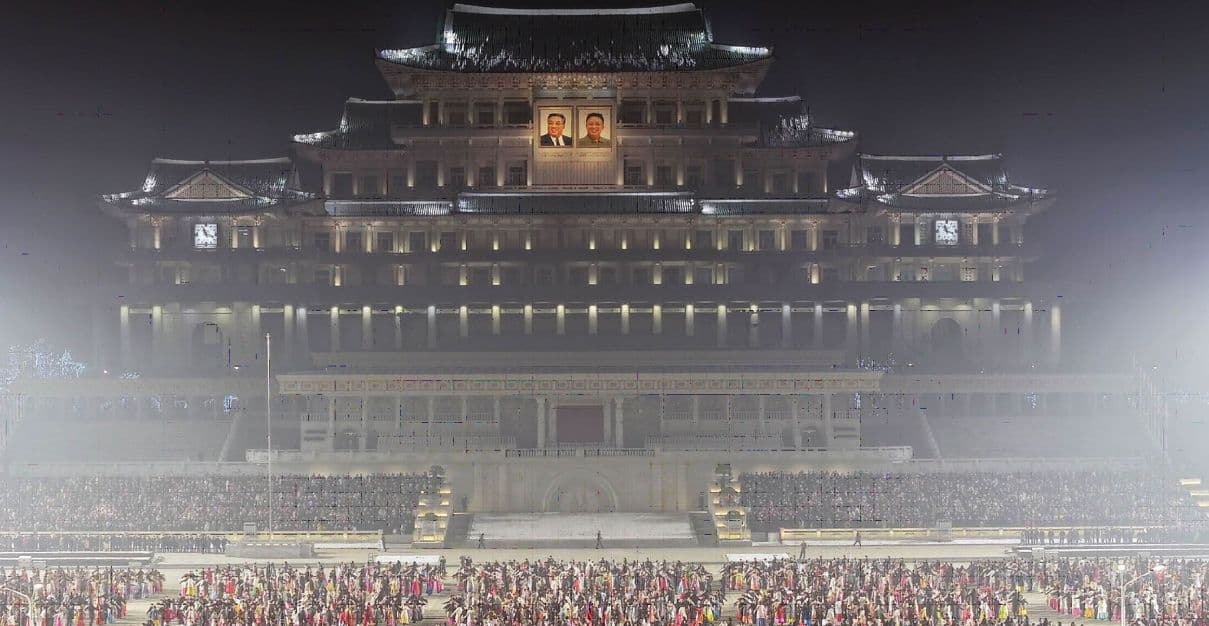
[{"x": 558, "y": 241}]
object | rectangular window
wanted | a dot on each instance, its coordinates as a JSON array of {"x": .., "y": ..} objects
[
  {"x": 831, "y": 274},
  {"x": 703, "y": 240},
  {"x": 426, "y": 174},
  {"x": 479, "y": 276},
  {"x": 642, "y": 276},
  {"x": 799, "y": 240},
  {"x": 244, "y": 236},
  {"x": 606, "y": 275},
  {"x": 694, "y": 115},
  {"x": 386, "y": 242},
  {"x": 510, "y": 275},
  {"x": 673, "y": 275},
  {"x": 368, "y": 186},
  {"x": 734, "y": 240},
  {"x": 767, "y": 240},
  {"x": 455, "y": 113},
  {"x": 517, "y": 112},
  {"x": 634, "y": 174},
  {"x": 518, "y": 173},
  {"x": 906, "y": 234},
  {"x": 780, "y": 183},
  {"x": 434, "y": 111},
  {"x": 873, "y": 235},
  {"x": 703, "y": 276},
  {"x": 543, "y": 277},
  {"x": 830, "y": 239},
  {"x": 448, "y": 242},
  {"x": 985, "y": 237},
  {"x": 457, "y": 178},
  {"x": 450, "y": 275},
  {"x": 694, "y": 176},
  {"x": 632, "y": 112},
  {"x": 663, "y": 176},
  {"x": 486, "y": 176},
  {"x": 398, "y": 184},
  {"x": 342, "y": 185},
  {"x": 665, "y": 113},
  {"x": 321, "y": 241},
  {"x": 323, "y": 275},
  {"x": 484, "y": 113},
  {"x": 352, "y": 242},
  {"x": 969, "y": 274},
  {"x": 417, "y": 242},
  {"x": 753, "y": 180},
  {"x": 722, "y": 172},
  {"x": 577, "y": 276},
  {"x": 808, "y": 183}
]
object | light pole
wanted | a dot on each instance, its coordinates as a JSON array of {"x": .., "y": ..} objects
[
  {"x": 1157, "y": 569},
  {"x": 268, "y": 417},
  {"x": 29, "y": 602}
]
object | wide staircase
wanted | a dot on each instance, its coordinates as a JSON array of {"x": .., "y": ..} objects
[
  {"x": 703, "y": 528},
  {"x": 458, "y": 532}
]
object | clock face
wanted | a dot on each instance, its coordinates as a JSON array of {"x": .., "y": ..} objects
[
  {"x": 946, "y": 232},
  {"x": 205, "y": 236}
]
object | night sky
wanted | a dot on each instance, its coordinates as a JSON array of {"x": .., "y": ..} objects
[{"x": 1103, "y": 103}]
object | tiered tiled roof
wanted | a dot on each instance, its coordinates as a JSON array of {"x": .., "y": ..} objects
[
  {"x": 177, "y": 186},
  {"x": 956, "y": 184},
  {"x": 663, "y": 38},
  {"x": 783, "y": 122},
  {"x": 366, "y": 125}
]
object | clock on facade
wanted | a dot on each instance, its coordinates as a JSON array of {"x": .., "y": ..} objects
[
  {"x": 205, "y": 236},
  {"x": 946, "y": 232}
]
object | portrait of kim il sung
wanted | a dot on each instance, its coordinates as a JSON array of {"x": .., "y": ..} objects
[
  {"x": 595, "y": 125},
  {"x": 555, "y": 127}
]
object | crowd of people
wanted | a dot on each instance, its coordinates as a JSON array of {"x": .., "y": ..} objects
[
  {"x": 1182, "y": 531},
  {"x": 885, "y": 500},
  {"x": 878, "y": 592},
  {"x": 119, "y": 542},
  {"x": 1169, "y": 592},
  {"x": 72, "y": 596},
  {"x": 210, "y": 502},
  {"x": 568, "y": 593},
  {"x": 348, "y": 594}
]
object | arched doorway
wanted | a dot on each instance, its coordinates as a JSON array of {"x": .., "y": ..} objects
[{"x": 580, "y": 492}]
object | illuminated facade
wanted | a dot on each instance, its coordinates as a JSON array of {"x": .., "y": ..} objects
[{"x": 548, "y": 218}]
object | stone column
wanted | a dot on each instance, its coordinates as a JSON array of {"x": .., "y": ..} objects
[
  {"x": 864, "y": 325},
  {"x": 287, "y": 328},
  {"x": 334, "y": 328},
  {"x": 432, "y": 327},
  {"x": 721, "y": 326},
  {"x": 127, "y": 360},
  {"x": 398, "y": 331},
  {"x": 541, "y": 422},
  {"x": 364, "y": 435},
  {"x": 786, "y": 326},
  {"x": 607, "y": 415},
  {"x": 304, "y": 337},
  {"x": 552, "y": 424},
  {"x": 828, "y": 424},
  {"x": 817, "y": 340},
  {"x": 797, "y": 422},
  {"x": 367, "y": 328},
  {"x": 850, "y": 332},
  {"x": 331, "y": 422},
  {"x": 1055, "y": 334},
  {"x": 619, "y": 417}
]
